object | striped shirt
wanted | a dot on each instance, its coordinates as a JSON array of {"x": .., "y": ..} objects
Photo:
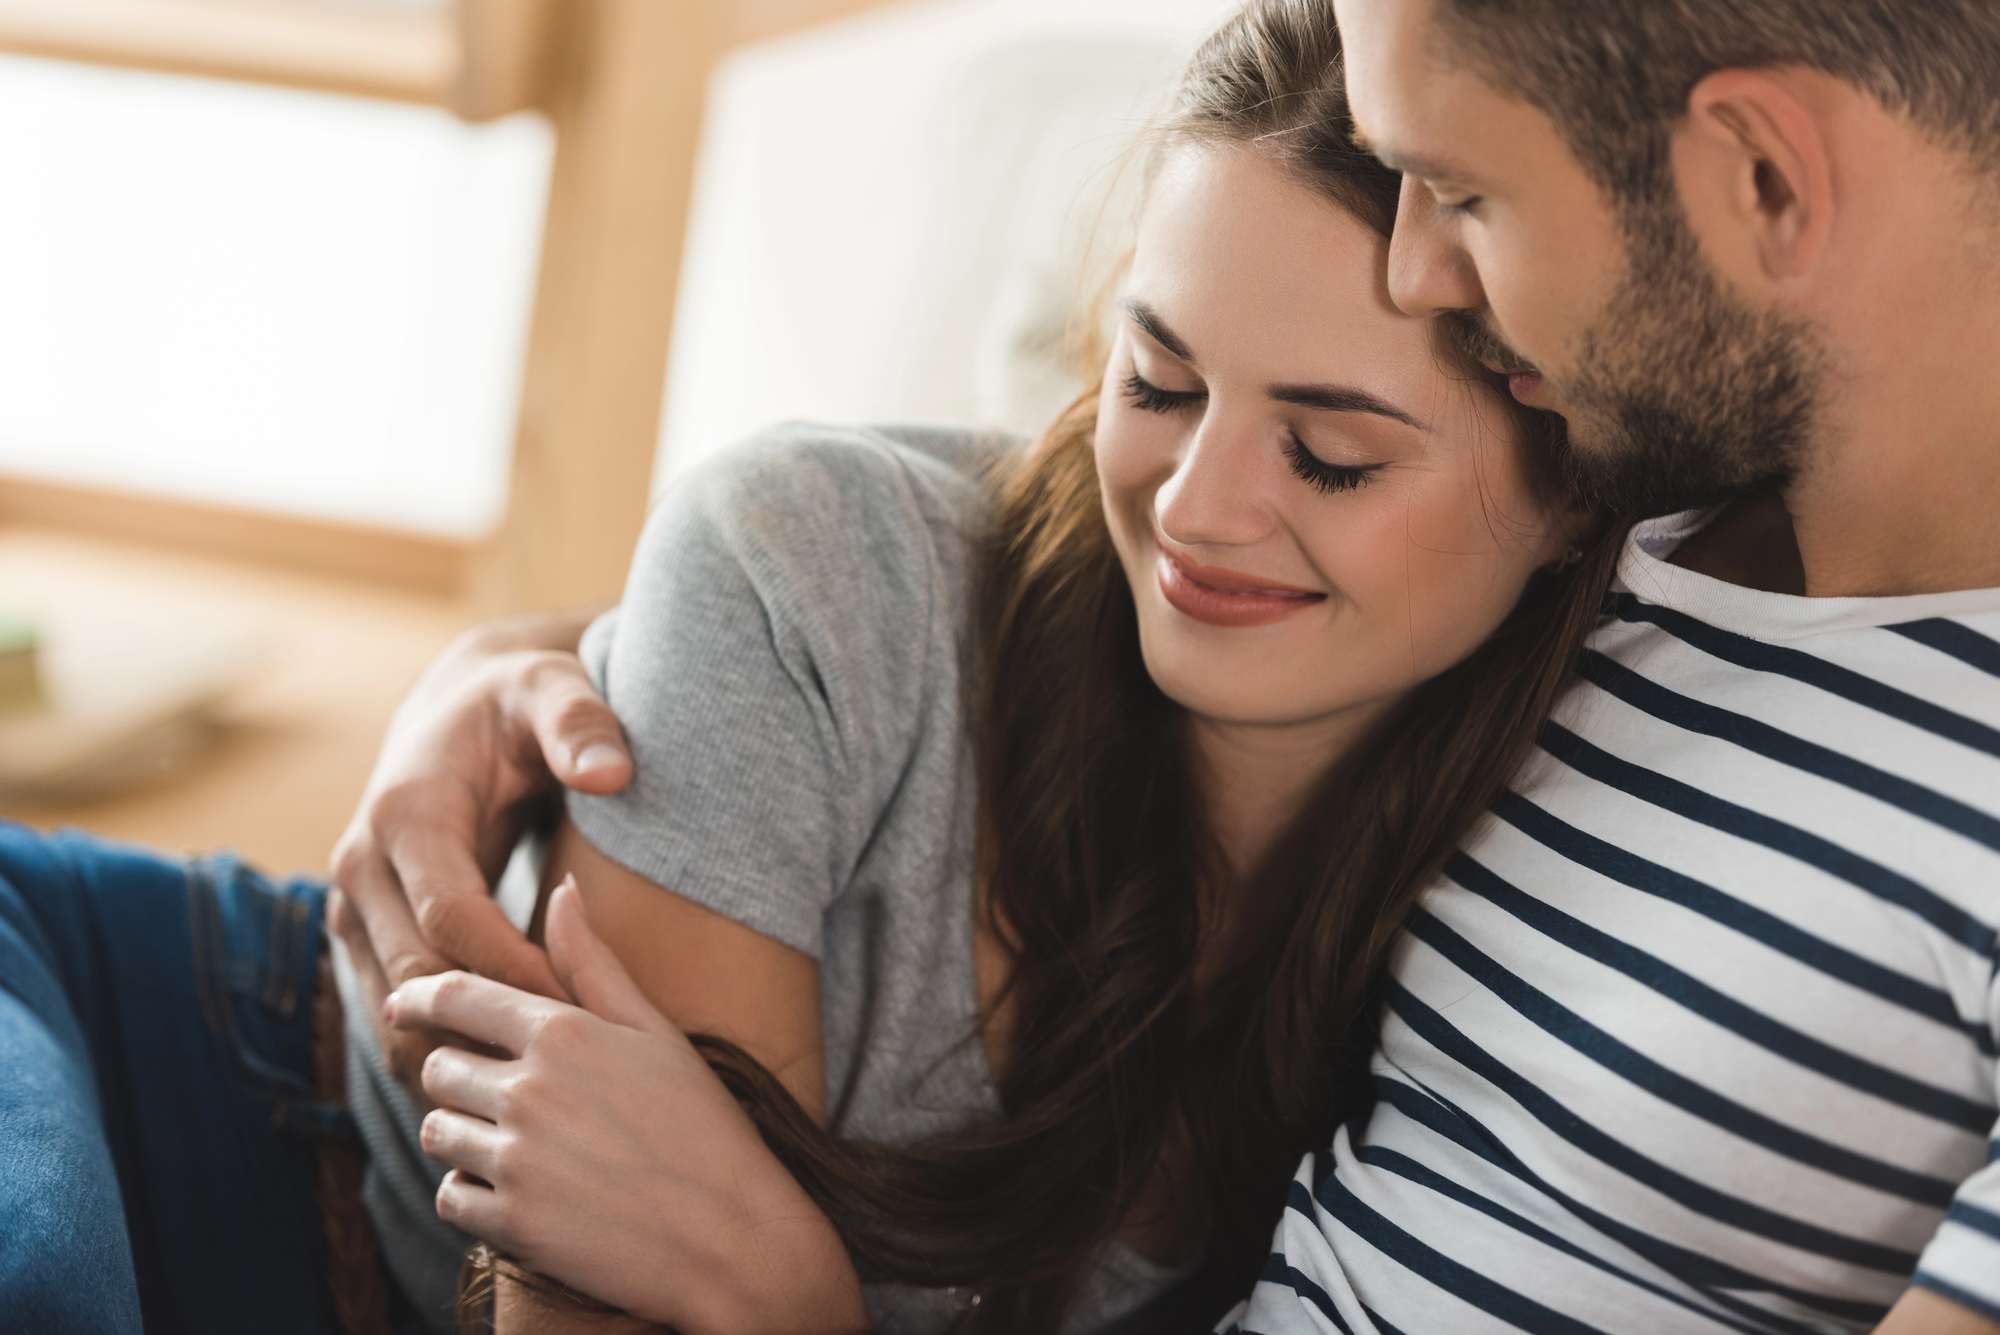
[{"x": 1698, "y": 1033}]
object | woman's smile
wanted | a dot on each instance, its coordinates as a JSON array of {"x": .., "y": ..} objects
[{"x": 1219, "y": 597}]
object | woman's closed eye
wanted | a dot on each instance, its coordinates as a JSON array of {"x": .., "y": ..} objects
[
  {"x": 1150, "y": 398},
  {"x": 1325, "y": 478}
]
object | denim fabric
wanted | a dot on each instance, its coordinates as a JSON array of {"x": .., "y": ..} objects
[{"x": 156, "y": 1080}]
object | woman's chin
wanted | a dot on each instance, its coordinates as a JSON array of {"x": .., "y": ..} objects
[{"x": 1234, "y": 693}]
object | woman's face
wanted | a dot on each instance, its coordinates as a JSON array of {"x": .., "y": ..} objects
[{"x": 1315, "y": 512}]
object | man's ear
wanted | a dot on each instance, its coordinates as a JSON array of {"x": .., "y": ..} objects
[{"x": 1755, "y": 174}]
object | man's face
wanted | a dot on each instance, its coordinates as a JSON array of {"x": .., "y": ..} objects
[{"x": 1677, "y": 392}]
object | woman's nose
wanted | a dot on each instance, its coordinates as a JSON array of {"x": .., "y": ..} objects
[
  {"x": 1217, "y": 496},
  {"x": 1429, "y": 271}
]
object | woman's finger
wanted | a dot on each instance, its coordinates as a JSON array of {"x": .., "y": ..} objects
[
  {"x": 466, "y": 1082},
  {"x": 591, "y": 972},
  {"x": 473, "y": 1207},
  {"x": 469, "y": 1144},
  {"x": 481, "y": 1009}
]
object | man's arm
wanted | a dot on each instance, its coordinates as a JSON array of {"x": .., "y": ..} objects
[{"x": 485, "y": 737}]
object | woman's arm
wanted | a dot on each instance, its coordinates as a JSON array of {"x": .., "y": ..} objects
[
  {"x": 707, "y": 973},
  {"x": 603, "y": 1152}
]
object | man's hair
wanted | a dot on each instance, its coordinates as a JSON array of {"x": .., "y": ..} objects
[{"x": 1615, "y": 75}]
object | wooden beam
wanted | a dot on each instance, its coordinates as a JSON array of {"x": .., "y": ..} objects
[
  {"x": 355, "y": 551},
  {"x": 407, "y": 54},
  {"x": 503, "y": 56},
  {"x": 626, "y": 97}
]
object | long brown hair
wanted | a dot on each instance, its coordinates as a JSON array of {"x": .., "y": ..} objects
[{"x": 1095, "y": 858}]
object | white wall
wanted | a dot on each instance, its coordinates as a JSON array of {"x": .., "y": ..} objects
[
  {"x": 284, "y": 300},
  {"x": 892, "y": 213}
]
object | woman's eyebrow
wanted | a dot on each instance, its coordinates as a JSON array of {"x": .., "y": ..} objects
[
  {"x": 1149, "y": 320},
  {"x": 1342, "y": 399}
]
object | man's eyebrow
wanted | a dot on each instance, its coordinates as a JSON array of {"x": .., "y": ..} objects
[
  {"x": 1410, "y": 164},
  {"x": 1342, "y": 399},
  {"x": 1149, "y": 320}
]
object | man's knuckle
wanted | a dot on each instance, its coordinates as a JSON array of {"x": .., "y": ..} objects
[
  {"x": 402, "y": 961},
  {"x": 441, "y": 917},
  {"x": 579, "y": 712},
  {"x": 340, "y": 914},
  {"x": 353, "y": 857}
]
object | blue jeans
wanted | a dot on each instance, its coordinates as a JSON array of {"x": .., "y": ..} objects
[{"x": 157, "y": 1118}]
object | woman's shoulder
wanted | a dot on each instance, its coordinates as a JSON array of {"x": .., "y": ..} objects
[
  {"x": 802, "y": 469},
  {"x": 807, "y": 518},
  {"x": 835, "y": 539}
]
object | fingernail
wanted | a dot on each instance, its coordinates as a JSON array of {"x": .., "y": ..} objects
[
  {"x": 598, "y": 755},
  {"x": 389, "y": 1005}
]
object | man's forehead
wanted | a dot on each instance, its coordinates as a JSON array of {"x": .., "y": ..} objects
[{"x": 1393, "y": 75}]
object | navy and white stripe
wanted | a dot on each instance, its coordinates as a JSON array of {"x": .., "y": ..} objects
[{"x": 1699, "y": 1033}]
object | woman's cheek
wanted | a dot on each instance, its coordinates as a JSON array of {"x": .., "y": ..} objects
[
  {"x": 1135, "y": 457},
  {"x": 1462, "y": 587}
]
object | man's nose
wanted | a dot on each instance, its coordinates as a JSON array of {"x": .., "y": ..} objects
[{"x": 1429, "y": 271}]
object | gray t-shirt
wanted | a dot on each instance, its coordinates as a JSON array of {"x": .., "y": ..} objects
[{"x": 788, "y": 664}]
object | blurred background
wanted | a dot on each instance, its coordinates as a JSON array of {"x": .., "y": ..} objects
[{"x": 329, "y": 327}]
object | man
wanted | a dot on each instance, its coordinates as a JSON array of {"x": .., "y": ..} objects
[
  {"x": 1700, "y": 1035},
  {"x": 1653, "y": 1059}
]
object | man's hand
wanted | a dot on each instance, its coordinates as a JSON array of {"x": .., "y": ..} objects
[{"x": 491, "y": 728}]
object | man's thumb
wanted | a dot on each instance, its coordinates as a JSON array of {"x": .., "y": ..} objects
[
  {"x": 586, "y": 966},
  {"x": 579, "y": 735}
]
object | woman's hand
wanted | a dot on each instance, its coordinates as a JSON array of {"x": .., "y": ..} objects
[{"x": 604, "y": 1153}]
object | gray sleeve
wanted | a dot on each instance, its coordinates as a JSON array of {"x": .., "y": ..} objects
[{"x": 767, "y": 664}]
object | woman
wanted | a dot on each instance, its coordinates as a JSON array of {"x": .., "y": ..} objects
[{"x": 1064, "y": 836}]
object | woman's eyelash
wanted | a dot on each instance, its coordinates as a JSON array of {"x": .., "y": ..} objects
[
  {"x": 1458, "y": 210},
  {"x": 1148, "y": 397},
  {"x": 1328, "y": 479}
]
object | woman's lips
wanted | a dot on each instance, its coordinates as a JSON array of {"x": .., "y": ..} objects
[{"x": 1219, "y": 597}]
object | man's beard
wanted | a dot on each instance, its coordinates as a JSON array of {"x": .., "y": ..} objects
[{"x": 1681, "y": 396}]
